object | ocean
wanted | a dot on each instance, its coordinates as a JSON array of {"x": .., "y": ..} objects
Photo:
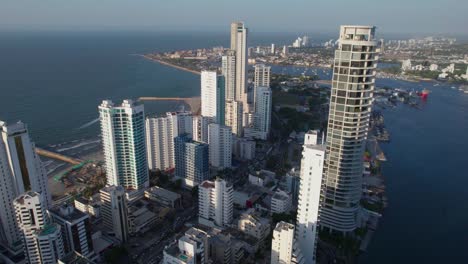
[{"x": 55, "y": 81}]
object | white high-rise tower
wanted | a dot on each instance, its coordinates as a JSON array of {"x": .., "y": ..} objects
[
  {"x": 220, "y": 145},
  {"x": 313, "y": 155},
  {"x": 124, "y": 144},
  {"x": 42, "y": 239},
  {"x": 212, "y": 96},
  {"x": 21, "y": 170},
  {"x": 282, "y": 244},
  {"x": 215, "y": 203},
  {"x": 239, "y": 45},
  {"x": 234, "y": 117},
  {"x": 228, "y": 70},
  {"x": 350, "y": 108}
]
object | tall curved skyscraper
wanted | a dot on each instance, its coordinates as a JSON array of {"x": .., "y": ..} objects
[{"x": 350, "y": 108}]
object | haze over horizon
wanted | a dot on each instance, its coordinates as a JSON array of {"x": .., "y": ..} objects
[{"x": 391, "y": 17}]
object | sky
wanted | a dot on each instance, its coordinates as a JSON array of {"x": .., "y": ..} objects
[{"x": 323, "y": 16}]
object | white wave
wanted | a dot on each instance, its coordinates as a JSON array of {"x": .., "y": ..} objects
[
  {"x": 54, "y": 168},
  {"x": 89, "y": 123},
  {"x": 79, "y": 145}
]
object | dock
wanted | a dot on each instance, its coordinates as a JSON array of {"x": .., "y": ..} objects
[{"x": 58, "y": 156}]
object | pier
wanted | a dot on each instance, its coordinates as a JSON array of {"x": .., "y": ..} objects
[{"x": 58, "y": 156}]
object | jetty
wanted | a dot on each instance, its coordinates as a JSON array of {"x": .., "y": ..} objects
[{"x": 58, "y": 156}]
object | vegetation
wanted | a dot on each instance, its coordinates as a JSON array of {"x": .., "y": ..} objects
[
  {"x": 424, "y": 74},
  {"x": 290, "y": 218},
  {"x": 345, "y": 244},
  {"x": 374, "y": 207}
]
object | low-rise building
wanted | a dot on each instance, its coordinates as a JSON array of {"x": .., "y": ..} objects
[
  {"x": 281, "y": 202},
  {"x": 254, "y": 225},
  {"x": 187, "y": 250},
  {"x": 164, "y": 197},
  {"x": 243, "y": 148},
  {"x": 140, "y": 219}
]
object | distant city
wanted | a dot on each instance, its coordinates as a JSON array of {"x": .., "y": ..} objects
[{"x": 266, "y": 166}]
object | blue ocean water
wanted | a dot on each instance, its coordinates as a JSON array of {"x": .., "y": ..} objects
[{"x": 55, "y": 81}]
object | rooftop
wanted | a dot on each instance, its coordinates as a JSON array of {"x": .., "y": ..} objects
[
  {"x": 67, "y": 212},
  {"x": 156, "y": 190},
  {"x": 283, "y": 226}
]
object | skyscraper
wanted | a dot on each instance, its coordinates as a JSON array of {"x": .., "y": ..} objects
[
  {"x": 42, "y": 239},
  {"x": 350, "y": 108},
  {"x": 282, "y": 244},
  {"x": 124, "y": 144},
  {"x": 228, "y": 70},
  {"x": 262, "y": 118},
  {"x": 234, "y": 117},
  {"x": 239, "y": 45},
  {"x": 191, "y": 160},
  {"x": 215, "y": 203},
  {"x": 21, "y": 170},
  {"x": 220, "y": 142},
  {"x": 262, "y": 75},
  {"x": 160, "y": 134},
  {"x": 212, "y": 96},
  {"x": 313, "y": 155},
  {"x": 114, "y": 211},
  {"x": 76, "y": 229},
  {"x": 261, "y": 78},
  {"x": 200, "y": 128}
]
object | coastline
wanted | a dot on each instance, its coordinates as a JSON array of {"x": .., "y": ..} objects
[{"x": 169, "y": 64}]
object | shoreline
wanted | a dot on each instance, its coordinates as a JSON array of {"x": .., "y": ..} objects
[{"x": 169, "y": 64}]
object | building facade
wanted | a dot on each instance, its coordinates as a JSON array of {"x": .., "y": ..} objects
[
  {"x": 282, "y": 243},
  {"x": 200, "y": 128},
  {"x": 76, "y": 229},
  {"x": 228, "y": 70},
  {"x": 213, "y": 96},
  {"x": 313, "y": 156},
  {"x": 220, "y": 145},
  {"x": 239, "y": 45},
  {"x": 215, "y": 203},
  {"x": 261, "y": 78},
  {"x": 234, "y": 117},
  {"x": 350, "y": 108},
  {"x": 263, "y": 106},
  {"x": 124, "y": 144},
  {"x": 191, "y": 160},
  {"x": 42, "y": 239},
  {"x": 114, "y": 211},
  {"x": 21, "y": 170}
]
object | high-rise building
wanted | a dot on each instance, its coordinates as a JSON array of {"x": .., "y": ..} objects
[
  {"x": 215, "y": 203},
  {"x": 239, "y": 45},
  {"x": 234, "y": 117},
  {"x": 220, "y": 142},
  {"x": 262, "y": 75},
  {"x": 200, "y": 128},
  {"x": 191, "y": 160},
  {"x": 21, "y": 170},
  {"x": 261, "y": 79},
  {"x": 262, "y": 119},
  {"x": 350, "y": 108},
  {"x": 160, "y": 134},
  {"x": 273, "y": 48},
  {"x": 124, "y": 144},
  {"x": 76, "y": 229},
  {"x": 228, "y": 70},
  {"x": 212, "y": 96},
  {"x": 282, "y": 244},
  {"x": 285, "y": 51},
  {"x": 42, "y": 239},
  {"x": 313, "y": 156},
  {"x": 114, "y": 211}
]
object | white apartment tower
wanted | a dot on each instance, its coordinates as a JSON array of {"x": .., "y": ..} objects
[
  {"x": 200, "y": 128},
  {"x": 313, "y": 156},
  {"x": 282, "y": 244},
  {"x": 228, "y": 70},
  {"x": 42, "y": 239},
  {"x": 263, "y": 105},
  {"x": 215, "y": 205},
  {"x": 21, "y": 170},
  {"x": 239, "y": 45},
  {"x": 350, "y": 108},
  {"x": 262, "y": 75},
  {"x": 160, "y": 134},
  {"x": 212, "y": 96},
  {"x": 114, "y": 211},
  {"x": 220, "y": 145},
  {"x": 124, "y": 144},
  {"x": 234, "y": 117}
]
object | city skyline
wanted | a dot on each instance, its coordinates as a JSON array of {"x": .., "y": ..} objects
[{"x": 413, "y": 17}]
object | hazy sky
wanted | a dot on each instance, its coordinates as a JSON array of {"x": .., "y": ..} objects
[{"x": 390, "y": 16}]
